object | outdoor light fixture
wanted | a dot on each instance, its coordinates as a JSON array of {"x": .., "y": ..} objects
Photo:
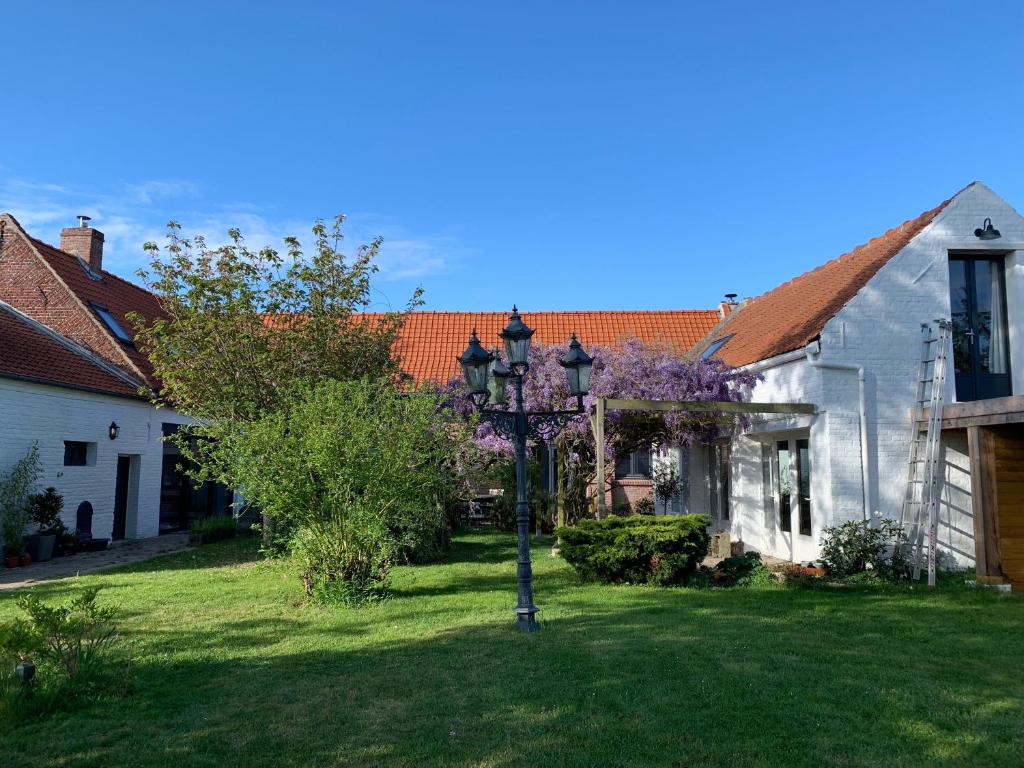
[
  {"x": 578, "y": 365},
  {"x": 517, "y": 343},
  {"x": 987, "y": 232},
  {"x": 498, "y": 375},
  {"x": 487, "y": 378},
  {"x": 475, "y": 361},
  {"x": 113, "y": 430}
]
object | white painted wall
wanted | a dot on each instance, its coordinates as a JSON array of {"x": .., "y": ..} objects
[
  {"x": 51, "y": 415},
  {"x": 880, "y": 330}
]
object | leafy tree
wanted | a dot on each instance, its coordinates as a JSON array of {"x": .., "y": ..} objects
[
  {"x": 355, "y": 475},
  {"x": 241, "y": 326}
]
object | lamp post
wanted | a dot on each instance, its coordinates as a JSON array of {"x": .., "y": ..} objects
[{"x": 487, "y": 377}]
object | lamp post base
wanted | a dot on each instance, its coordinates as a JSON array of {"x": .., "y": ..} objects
[{"x": 526, "y": 620}]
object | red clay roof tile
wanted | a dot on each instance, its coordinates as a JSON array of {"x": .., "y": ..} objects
[
  {"x": 795, "y": 313},
  {"x": 116, "y": 294},
  {"x": 430, "y": 341},
  {"x": 26, "y": 352}
]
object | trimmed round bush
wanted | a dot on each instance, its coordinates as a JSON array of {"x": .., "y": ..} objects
[{"x": 637, "y": 549}]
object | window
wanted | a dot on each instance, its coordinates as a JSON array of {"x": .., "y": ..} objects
[
  {"x": 716, "y": 345},
  {"x": 787, "y": 475},
  {"x": 634, "y": 464},
  {"x": 768, "y": 484},
  {"x": 803, "y": 486},
  {"x": 784, "y": 488},
  {"x": 719, "y": 479},
  {"x": 723, "y": 454},
  {"x": 79, "y": 454},
  {"x": 111, "y": 323}
]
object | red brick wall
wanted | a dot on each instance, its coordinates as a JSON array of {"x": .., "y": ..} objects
[{"x": 28, "y": 285}]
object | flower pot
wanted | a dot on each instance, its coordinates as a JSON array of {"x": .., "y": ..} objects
[
  {"x": 40, "y": 546},
  {"x": 11, "y": 561},
  {"x": 24, "y": 559}
]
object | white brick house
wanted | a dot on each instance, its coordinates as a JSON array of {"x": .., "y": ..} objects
[
  {"x": 69, "y": 371},
  {"x": 848, "y": 333}
]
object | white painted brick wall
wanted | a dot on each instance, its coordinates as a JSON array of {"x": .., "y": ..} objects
[
  {"x": 51, "y": 415},
  {"x": 880, "y": 329}
]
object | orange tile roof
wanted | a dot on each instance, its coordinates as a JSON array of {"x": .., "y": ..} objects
[
  {"x": 792, "y": 315},
  {"x": 26, "y": 352},
  {"x": 430, "y": 341},
  {"x": 114, "y": 293}
]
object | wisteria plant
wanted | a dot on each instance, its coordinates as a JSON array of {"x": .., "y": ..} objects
[{"x": 634, "y": 370}]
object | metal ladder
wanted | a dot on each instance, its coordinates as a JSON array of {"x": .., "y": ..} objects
[{"x": 921, "y": 501}]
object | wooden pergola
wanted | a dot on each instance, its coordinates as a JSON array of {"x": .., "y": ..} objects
[{"x": 604, "y": 404}]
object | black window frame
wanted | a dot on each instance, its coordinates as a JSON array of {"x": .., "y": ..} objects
[
  {"x": 635, "y": 465},
  {"x": 111, "y": 323},
  {"x": 76, "y": 453}
]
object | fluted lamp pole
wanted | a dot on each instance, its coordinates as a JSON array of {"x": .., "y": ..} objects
[{"x": 487, "y": 378}]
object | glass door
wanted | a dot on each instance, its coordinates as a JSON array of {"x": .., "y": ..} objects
[{"x": 981, "y": 350}]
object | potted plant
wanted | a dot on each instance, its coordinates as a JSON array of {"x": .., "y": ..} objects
[
  {"x": 66, "y": 544},
  {"x": 16, "y": 485},
  {"x": 45, "y": 509},
  {"x": 14, "y": 541}
]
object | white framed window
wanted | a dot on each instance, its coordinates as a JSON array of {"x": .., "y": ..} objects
[{"x": 786, "y": 482}]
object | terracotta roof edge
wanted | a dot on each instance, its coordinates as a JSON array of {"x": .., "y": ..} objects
[{"x": 86, "y": 354}]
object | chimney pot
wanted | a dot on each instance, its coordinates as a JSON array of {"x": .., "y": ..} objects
[{"x": 84, "y": 242}]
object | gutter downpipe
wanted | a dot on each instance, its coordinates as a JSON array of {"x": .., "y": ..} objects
[{"x": 814, "y": 350}]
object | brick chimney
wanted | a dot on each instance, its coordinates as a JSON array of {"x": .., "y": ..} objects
[
  {"x": 85, "y": 242},
  {"x": 726, "y": 307}
]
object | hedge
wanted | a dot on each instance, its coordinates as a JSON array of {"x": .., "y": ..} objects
[
  {"x": 212, "y": 529},
  {"x": 636, "y": 549}
]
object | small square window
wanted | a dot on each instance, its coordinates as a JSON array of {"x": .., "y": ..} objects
[
  {"x": 76, "y": 453},
  {"x": 635, "y": 464}
]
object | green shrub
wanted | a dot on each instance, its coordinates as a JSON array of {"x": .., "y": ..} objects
[
  {"x": 212, "y": 529},
  {"x": 72, "y": 647},
  {"x": 644, "y": 506},
  {"x": 636, "y": 549},
  {"x": 342, "y": 555},
  {"x": 351, "y": 479},
  {"x": 45, "y": 509},
  {"x": 855, "y": 546},
  {"x": 622, "y": 508},
  {"x": 16, "y": 486}
]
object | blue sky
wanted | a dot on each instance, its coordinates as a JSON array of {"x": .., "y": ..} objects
[{"x": 632, "y": 155}]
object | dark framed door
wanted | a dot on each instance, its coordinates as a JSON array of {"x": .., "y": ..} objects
[
  {"x": 981, "y": 349},
  {"x": 124, "y": 467}
]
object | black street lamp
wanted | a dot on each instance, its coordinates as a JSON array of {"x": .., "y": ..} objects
[{"x": 487, "y": 377}]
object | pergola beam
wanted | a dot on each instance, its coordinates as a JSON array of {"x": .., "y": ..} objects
[{"x": 605, "y": 404}]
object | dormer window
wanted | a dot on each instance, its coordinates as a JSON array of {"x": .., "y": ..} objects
[
  {"x": 716, "y": 345},
  {"x": 108, "y": 320}
]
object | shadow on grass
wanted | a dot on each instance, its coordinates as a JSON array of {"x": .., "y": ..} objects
[{"x": 618, "y": 677}]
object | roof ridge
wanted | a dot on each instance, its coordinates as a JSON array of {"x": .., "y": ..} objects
[
  {"x": 547, "y": 312},
  {"x": 827, "y": 289},
  {"x": 103, "y": 272}
]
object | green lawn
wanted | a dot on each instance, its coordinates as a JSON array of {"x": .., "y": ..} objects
[{"x": 233, "y": 670}]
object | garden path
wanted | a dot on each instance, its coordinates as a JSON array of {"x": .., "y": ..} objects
[{"x": 120, "y": 553}]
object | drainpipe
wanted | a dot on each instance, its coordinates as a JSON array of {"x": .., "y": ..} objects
[{"x": 865, "y": 466}]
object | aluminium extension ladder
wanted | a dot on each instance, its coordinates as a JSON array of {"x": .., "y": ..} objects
[{"x": 921, "y": 502}]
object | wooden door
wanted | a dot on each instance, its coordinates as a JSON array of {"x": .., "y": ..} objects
[{"x": 1009, "y": 496}]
